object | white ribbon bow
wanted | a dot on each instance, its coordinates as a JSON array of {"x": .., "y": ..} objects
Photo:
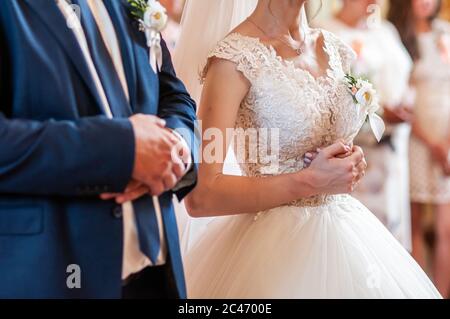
[
  {"x": 377, "y": 125},
  {"x": 154, "y": 45}
]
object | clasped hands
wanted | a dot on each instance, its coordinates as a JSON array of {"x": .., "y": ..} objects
[
  {"x": 337, "y": 168},
  {"x": 161, "y": 160}
]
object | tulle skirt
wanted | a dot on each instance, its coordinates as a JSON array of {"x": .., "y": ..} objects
[{"x": 337, "y": 250}]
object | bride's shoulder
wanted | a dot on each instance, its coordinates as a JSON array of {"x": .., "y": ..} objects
[
  {"x": 240, "y": 41},
  {"x": 235, "y": 43},
  {"x": 243, "y": 50}
]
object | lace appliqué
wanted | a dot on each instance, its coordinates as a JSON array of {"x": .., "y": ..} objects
[{"x": 308, "y": 112}]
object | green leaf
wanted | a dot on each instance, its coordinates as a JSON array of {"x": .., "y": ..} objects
[{"x": 138, "y": 8}]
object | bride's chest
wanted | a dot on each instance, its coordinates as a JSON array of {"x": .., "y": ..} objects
[{"x": 294, "y": 101}]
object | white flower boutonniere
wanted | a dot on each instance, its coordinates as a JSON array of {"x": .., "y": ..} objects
[
  {"x": 152, "y": 18},
  {"x": 365, "y": 96}
]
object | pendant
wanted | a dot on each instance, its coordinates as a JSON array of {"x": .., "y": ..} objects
[{"x": 299, "y": 51}]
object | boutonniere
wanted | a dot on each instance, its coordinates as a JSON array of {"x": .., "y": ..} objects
[
  {"x": 152, "y": 18},
  {"x": 365, "y": 97}
]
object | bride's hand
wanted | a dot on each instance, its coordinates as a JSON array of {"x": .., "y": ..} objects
[
  {"x": 311, "y": 156},
  {"x": 334, "y": 175}
]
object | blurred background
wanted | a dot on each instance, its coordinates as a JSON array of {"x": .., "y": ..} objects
[
  {"x": 328, "y": 8},
  {"x": 403, "y": 47}
]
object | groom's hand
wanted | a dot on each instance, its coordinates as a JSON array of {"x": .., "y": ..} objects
[
  {"x": 158, "y": 163},
  {"x": 133, "y": 191},
  {"x": 179, "y": 152}
]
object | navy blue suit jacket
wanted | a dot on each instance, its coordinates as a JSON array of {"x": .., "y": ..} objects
[{"x": 58, "y": 152}]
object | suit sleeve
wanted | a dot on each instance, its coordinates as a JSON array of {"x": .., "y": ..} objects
[
  {"x": 69, "y": 158},
  {"x": 179, "y": 110}
]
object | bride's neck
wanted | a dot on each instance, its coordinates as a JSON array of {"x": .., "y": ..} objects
[{"x": 281, "y": 17}]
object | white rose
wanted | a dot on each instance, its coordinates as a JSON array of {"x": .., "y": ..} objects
[
  {"x": 155, "y": 17},
  {"x": 366, "y": 96}
]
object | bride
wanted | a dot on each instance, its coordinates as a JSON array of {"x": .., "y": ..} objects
[{"x": 288, "y": 229}]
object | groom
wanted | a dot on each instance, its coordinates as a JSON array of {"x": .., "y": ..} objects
[{"x": 87, "y": 168}]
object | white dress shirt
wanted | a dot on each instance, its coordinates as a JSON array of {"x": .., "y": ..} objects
[{"x": 133, "y": 259}]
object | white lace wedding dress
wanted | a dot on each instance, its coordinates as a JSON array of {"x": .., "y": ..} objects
[{"x": 321, "y": 247}]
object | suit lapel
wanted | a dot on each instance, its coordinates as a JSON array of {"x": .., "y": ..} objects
[
  {"x": 122, "y": 25},
  {"x": 55, "y": 21}
]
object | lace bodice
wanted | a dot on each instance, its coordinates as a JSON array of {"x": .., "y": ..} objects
[{"x": 305, "y": 112}]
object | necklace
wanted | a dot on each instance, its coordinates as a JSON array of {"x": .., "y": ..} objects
[{"x": 298, "y": 49}]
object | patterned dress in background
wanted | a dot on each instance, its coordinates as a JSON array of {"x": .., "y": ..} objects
[{"x": 431, "y": 79}]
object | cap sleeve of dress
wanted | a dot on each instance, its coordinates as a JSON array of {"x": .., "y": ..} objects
[{"x": 240, "y": 50}]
